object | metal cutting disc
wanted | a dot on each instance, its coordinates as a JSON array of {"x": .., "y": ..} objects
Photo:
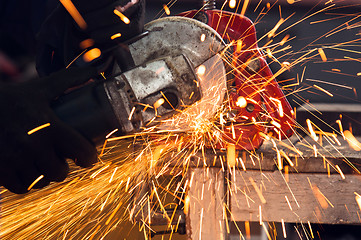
[{"x": 202, "y": 46}]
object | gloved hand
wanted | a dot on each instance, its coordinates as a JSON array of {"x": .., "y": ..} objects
[{"x": 25, "y": 157}]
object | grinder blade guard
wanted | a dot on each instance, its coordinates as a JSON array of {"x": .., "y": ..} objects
[{"x": 162, "y": 83}]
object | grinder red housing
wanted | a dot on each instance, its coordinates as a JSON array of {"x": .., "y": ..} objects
[{"x": 256, "y": 102}]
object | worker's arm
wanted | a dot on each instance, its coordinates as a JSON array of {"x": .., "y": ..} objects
[{"x": 27, "y": 155}]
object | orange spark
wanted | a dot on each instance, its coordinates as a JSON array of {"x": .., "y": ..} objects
[
  {"x": 358, "y": 199},
  {"x": 122, "y": 16},
  {"x": 231, "y": 154},
  {"x": 322, "y": 200},
  {"x": 340, "y": 126},
  {"x": 284, "y": 228},
  {"x": 323, "y": 90},
  {"x": 273, "y": 31},
  {"x": 201, "y": 70},
  {"x": 340, "y": 172},
  {"x": 232, "y": 3},
  {"x": 111, "y": 133},
  {"x": 242, "y": 163},
  {"x": 244, "y": 8},
  {"x": 258, "y": 191},
  {"x": 166, "y": 9},
  {"x": 131, "y": 113},
  {"x": 322, "y": 54},
  {"x": 260, "y": 215},
  {"x": 241, "y": 102},
  {"x": 288, "y": 202},
  {"x": 159, "y": 103},
  {"x": 279, "y": 160},
  {"x": 287, "y": 176},
  {"x": 186, "y": 205},
  {"x": 117, "y": 35},
  {"x": 86, "y": 43},
  {"x": 111, "y": 178},
  {"x": 92, "y": 54},
  {"x": 203, "y": 37},
  {"x": 113, "y": 213},
  {"x": 239, "y": 46},
  {"x": 248, "y": 229},
  {"x": 276, "y": 124},
  {"x": 69, "y": 6},
  {"x": 266, "y": 231},
  {"x": 310, "y": 129},
  {"x": 284, "y": 40},
  {"x": 352, "y": 141},
  {"x": 309, "y": 225},
  {"x": 279, "y": 104},
  {"x": 38, "y": 128},
  {"x": 35, "y": 182}
]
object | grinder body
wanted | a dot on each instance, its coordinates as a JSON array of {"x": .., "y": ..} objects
[{"x": 164, "y": 63}]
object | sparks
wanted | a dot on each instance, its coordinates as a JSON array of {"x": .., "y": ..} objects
[
  {"x": 35, "y": 182},
  {"x": 114, "y": 36},
  {"x": 38, "y": 128},
  {"x": 69, "y": 6},
  {"x": 92, "y": 54},
  {"x": 322, "y": 54},
  {"x": 166, "y": 9},
  {"x": 121, "y": 16},
  {"x": 232, "y": 3}
]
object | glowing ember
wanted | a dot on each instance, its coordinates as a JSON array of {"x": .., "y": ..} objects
[
  {"x": 166, "y": 9},
  {"x": 241, "y": 102},
  {"x": 201, "y": 70},
  {"x": 122, "y": 16},
  {"x": 35, "y": 182},
  {"x": 38, "y": 128},
  {"x": 352, "y": 141},
  {"x": 69, "y": 6},
  {"x": 92, "y": 54},
  {"x": 117, "y": 35},
  {"x": 87, "y": 43},
  {"x": 232, "y": 3},
  {"x": 159, "y": 103}
]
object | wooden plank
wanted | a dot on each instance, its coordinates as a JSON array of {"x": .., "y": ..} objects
[
  {"x": 206, "y": 193},
  {"x": 265, "y": 158},
  {"x": 338, "y": 206}
]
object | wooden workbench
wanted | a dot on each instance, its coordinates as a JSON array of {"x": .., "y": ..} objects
[{"x": 314, "y": 190}]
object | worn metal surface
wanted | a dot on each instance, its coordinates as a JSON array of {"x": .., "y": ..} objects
[
  {"x": 165, "y": 61},
  {"x": 200, "y": 44}
]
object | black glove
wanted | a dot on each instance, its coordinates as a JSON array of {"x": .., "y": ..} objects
[{"x": 25, "y": 157}]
